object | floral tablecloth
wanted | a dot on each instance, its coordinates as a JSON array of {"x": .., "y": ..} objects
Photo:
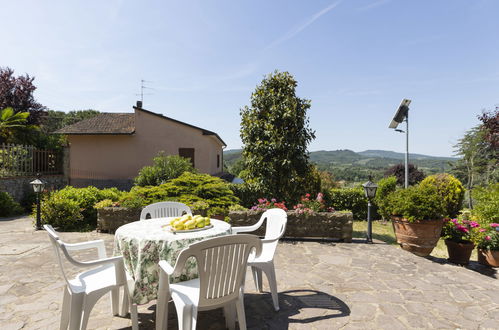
[{"x": 144, "y": 243}]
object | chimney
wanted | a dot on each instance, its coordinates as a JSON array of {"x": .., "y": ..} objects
[{"x": 139, "y": 104}]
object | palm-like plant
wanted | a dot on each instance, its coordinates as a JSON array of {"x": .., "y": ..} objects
[{"x": 10, "y": 119}]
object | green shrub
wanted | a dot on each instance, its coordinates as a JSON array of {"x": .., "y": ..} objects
[
  {"x": 450, "y": 191},
  {"x": 132, "y": 201},
  {"x": 189, "y": 188},
  {"x": 164, "y": 168},
  {"x": 352, "y": 199},
  {"x": 104, "y": 203},
  {"x": 385, "y": 187},
  {"x": 419, "y": 202},
  {"x": 200, "y": 207},
  {"x": 8, "y": 206},
  {"x": 247, "y": 193},
  {"x": 486, "y": 206},
  {"x": 57, "y": 214},
  {"x": 61, "y": 212},
  {"x": 237, "y": 207}
]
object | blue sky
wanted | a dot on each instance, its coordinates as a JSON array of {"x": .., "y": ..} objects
[{"x": 356, "y": 60}]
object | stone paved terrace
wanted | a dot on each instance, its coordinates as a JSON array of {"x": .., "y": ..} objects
[{"x": 321, "y": 285}]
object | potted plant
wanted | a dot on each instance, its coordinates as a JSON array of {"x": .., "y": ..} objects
[
  {"x": 488, "y": 245},
  {"x": 416, "y": 214},
  {"x": 459, "y": 235}
]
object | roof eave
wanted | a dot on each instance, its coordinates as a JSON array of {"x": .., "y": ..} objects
[{"x": 95, "y": 133}]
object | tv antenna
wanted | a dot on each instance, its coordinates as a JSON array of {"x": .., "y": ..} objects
[{"x": 142, "y": 87}]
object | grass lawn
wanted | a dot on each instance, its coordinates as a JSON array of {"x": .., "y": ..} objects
[{"x": 384, "y": 232}]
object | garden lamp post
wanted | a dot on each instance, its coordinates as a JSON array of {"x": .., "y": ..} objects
[
  {"x": 38, "y": 186},
  {"x": 370, "y": 191}
]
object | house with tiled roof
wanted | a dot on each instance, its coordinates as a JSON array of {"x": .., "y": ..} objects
[{"x": 108, "y": 150}]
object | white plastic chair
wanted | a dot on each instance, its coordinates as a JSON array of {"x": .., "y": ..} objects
[
  {"x": 82, "y": 292},
  {"x": 276, "y": 225},
  {"x": 222, "y": 265},
  {"x": 164, "y": 210}
]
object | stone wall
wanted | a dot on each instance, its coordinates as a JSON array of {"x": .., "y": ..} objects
[
  {"x": 121, "y": 184},
  {"x": 323, "y": 225},
  {"x": 110, "y": 218},
  {"x": 19, "y": 187}
]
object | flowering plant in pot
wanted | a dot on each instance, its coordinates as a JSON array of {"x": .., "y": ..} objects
[
  {"x": 416, "y": 214},
  {"x": 460, "y": 235},
  {"x": 488, "y": 245}
]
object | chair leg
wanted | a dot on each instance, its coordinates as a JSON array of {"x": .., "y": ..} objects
[
  {"x": 162, "y": 307},
  {"x": 184, "y": 315},
  {"x": 115, "y": 300},
  {"x": 126, "y": 301},
  {"x": 134, "y": 315},
  {"x": 241, "y": 317},
  {"x": 270, "y": 273},
  {"x": 194, "y": 317},
  {"x": 75, "y": 311},
  {"x": 88, "y": 304},
  {"x": 257, "y": 277},
  {"x": 230, "y": 316},
  {"x": 66, "y": 301}
]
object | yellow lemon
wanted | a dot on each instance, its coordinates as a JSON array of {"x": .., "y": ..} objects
[{"x": 191, "y": 224}]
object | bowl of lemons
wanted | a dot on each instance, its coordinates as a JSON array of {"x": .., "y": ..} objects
[{"x": 189, "y": 223}]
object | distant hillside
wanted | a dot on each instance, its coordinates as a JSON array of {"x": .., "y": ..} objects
[
  {"x": 399, "y": 155},
  {"x": 354, "y": 166}
]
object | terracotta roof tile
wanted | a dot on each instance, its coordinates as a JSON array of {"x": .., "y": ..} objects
[{"x": 104, "y": 123}]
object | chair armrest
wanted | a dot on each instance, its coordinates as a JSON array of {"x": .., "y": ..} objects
[
  {"x": 97, "y": 244},
  {"x": 269, "y": 240},
  {"x": 246, "y": 229},
  {"x": 164, "y": 265},
  {"x": 117, "y": 261}
]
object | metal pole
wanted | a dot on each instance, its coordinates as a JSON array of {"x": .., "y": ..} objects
[
  {"x": 38, "y": 217},
  {"x": 369, "y": 224},
  {"x": 407, "y": 149}
]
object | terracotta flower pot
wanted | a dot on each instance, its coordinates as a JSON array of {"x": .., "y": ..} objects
[
  {"x": 488, "y": 257},
  {"x": 459, "y": 253},
  {"x": 418, "y": 237}
]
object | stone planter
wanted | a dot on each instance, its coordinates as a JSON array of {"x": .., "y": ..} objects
[
  {"x": 488, "y": 257},
  {"x": 111, "y": 218},
  {"x": 324, "y": 225},
  {"x": 418, "y": 237},
  {"x": 459, "y": 253}
]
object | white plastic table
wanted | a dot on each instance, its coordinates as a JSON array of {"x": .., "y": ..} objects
[{"x": 144, "y": 243}]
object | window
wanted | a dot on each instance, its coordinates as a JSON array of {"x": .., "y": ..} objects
[
  {"x": 187, "y": 153},
  {"x": 218, "y": 161}
]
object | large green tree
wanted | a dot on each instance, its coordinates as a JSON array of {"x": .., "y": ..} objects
[
  {"x": 478, "y": 149},
  {"x": 275, "y": 132}
]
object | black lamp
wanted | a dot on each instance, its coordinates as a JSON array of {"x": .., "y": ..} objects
[
  {"x": 370, "y": 191},
  {"x": 38, "y": 186}
]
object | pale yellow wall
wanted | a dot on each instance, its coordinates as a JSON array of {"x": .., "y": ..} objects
[{"x": 121, "y": 156}]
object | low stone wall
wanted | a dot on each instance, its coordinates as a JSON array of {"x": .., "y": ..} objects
[
  {"x": 121, "y": 184},
  {"x": 110, "y": 218},
  {"x": 19, "y": 187},
  {"x": 323, "y": 225}
]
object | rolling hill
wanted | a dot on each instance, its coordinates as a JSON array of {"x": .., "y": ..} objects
[{"x": 354, "y": 166}]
